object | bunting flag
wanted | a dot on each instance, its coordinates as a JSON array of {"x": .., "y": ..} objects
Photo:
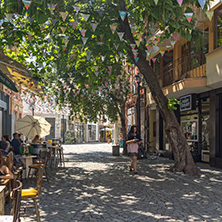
[
  {"x": 120, "y": 34},
  {"x": 162, "y": 53},
  {"x": 195, "y": 25},
  {"x": 202, "y": 3},
  {"x": 180, "y": 2},
  {"x": 96, "y": 68},
  {"x": 66, "y": 42},
  {"x": 84, "y": 40},
  {"x": 157, "y": 37},
  {"x": 169, "y": 47},
  {"x": 64, "y": 15},
  {"x": 96, "y": 73},
  {"x": 116, "y": 45},
  {"x": 9, "y": 16},
  {"x": 133, "y": 46},
  {"x": 152, "y": 30},
  {"x": 110, "y": 68},
  {"x": 88, "y": 57},
  {"x": 31, "y": 20},
  {"x": 137, "y": 43},
  {"x": 136, "y": 59},
  {"x": 117, "y": 58},
  {"x": 94, "y": 26},
  {"x": 100, "y": 11},
  {"x": 101, "y": 37},
  {"x": 54, "y": 21},
  {"x": 156, "y": 1},
  {"x": 135, "y": 52},
  {"x": 74, "y": 24},
  {"x": 120, "y": 54},
  {"x": 176, "y": 36},
  {"x": 122, "y": 14},
  {"x": 103, "y": 58},
  {"x": 210, "y": 14},
  {"x": 83, "y": 32},
  {"x": 113, "y": 28},
  {"x": 63, "y": 29},
  {"x": 30, "y": 38},
  {"x": 154, "y": 60},
  {"x": 26, "y": 3},
  {"x": 86, "y": 16},
  {"x": 77, "y": 9},
  {"x": 189, "y": 16},
  {"x": 148, "y": 47}
]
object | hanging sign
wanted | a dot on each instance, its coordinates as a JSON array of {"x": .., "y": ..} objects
[{"x": 188, "y": 102}]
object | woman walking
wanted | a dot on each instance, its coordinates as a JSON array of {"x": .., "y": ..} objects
[{"x": 133, "y": 145}]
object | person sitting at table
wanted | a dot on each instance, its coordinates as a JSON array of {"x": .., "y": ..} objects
[
  {"x": 3, "y": 146},
  {"x": 36, "y": 139},
  {"x": 16, "y": 143},
  {"x": 5, "y": 173},
  {"x": 5, "y": 138}
]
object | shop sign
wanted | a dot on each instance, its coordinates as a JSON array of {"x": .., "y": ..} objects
[{"x": 188, "y": 102}]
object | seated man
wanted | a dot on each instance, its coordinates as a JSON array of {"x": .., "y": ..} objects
[
  {"x": 3, "y": 146},
  {"x": 16, "y": 143}
]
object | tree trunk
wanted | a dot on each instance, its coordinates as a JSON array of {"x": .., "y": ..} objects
[
  {"x": 178, "y": 143},
  {"x": 181, "y": 151},
  {"x": 123, "y": 124}
]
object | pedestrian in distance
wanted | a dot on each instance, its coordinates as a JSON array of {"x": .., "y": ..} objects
[
  {"x": 132, "y": 142},
  {"x": 121, "y": 139}
]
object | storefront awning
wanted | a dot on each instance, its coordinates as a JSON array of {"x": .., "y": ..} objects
[
  {"x": 19, "y": 74},
  {"x": 7, "y": 82}
]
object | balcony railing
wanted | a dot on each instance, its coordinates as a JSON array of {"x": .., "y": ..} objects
[{"x": 188, "y": 66}]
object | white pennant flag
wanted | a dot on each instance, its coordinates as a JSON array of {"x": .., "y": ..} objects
[
  {"x": 120, "y": 34},
  {"x": 103, "y": 58},
  {"x": 84, "y": 40},
  {"x": 117, "y": 58},
  {"x": 96, "y": 68},
  {"x": 116, "y": 45},
  {"x": 96, "y": 73},
  {"x": 86, "y": 16},
  {"x": 94, "y": 26}
]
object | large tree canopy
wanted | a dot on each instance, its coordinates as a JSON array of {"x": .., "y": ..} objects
[{"x": 76, "y": 48}]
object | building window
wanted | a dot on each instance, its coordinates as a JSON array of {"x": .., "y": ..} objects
[{"x": 218, "y": 27}]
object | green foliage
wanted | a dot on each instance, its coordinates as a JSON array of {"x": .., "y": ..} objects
[
  {"x": 173, "y": 103},
  {"x": 70, "y": 137},
  {"x": 75, "y": 74}
]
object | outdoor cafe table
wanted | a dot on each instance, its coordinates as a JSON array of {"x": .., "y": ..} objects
[
  {"x": 28, "y": 160},
  {"x": 2, "y": 199}
]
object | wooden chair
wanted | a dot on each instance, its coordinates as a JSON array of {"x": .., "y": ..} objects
[
  {"x": 44, "y": 158},
  {"x": 34, "y": 194},
  {"x": 16, "y": 196}
]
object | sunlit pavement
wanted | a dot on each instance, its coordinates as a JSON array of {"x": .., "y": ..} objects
[{"x": 96, "y": 186}]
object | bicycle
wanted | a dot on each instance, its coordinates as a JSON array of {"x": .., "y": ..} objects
[{"x": 152, "y": 153}]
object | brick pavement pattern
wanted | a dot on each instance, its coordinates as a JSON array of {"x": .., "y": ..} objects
[{"x": 96, "y": 186}]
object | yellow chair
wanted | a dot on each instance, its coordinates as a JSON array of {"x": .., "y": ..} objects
[
  {"x": 34, "y": 193},
  {"x": 16, "y": 196},
  {"x": 44, "y": 158}
]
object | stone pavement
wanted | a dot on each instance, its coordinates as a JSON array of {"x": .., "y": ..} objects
[{"x": 96, "y": 186}]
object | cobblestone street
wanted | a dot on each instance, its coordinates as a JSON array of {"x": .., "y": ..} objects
[{"x": 96, "y": 186}]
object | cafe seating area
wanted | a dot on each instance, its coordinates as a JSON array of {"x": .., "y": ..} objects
[{"x": 37, "y": 163}]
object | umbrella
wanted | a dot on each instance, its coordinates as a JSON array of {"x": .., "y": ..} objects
[
  {"x": 30, "y": 126},
  {"x": 106, "y": 129}
]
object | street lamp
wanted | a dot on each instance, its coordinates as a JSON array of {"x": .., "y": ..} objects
[{"x": 138, "y": 81}]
